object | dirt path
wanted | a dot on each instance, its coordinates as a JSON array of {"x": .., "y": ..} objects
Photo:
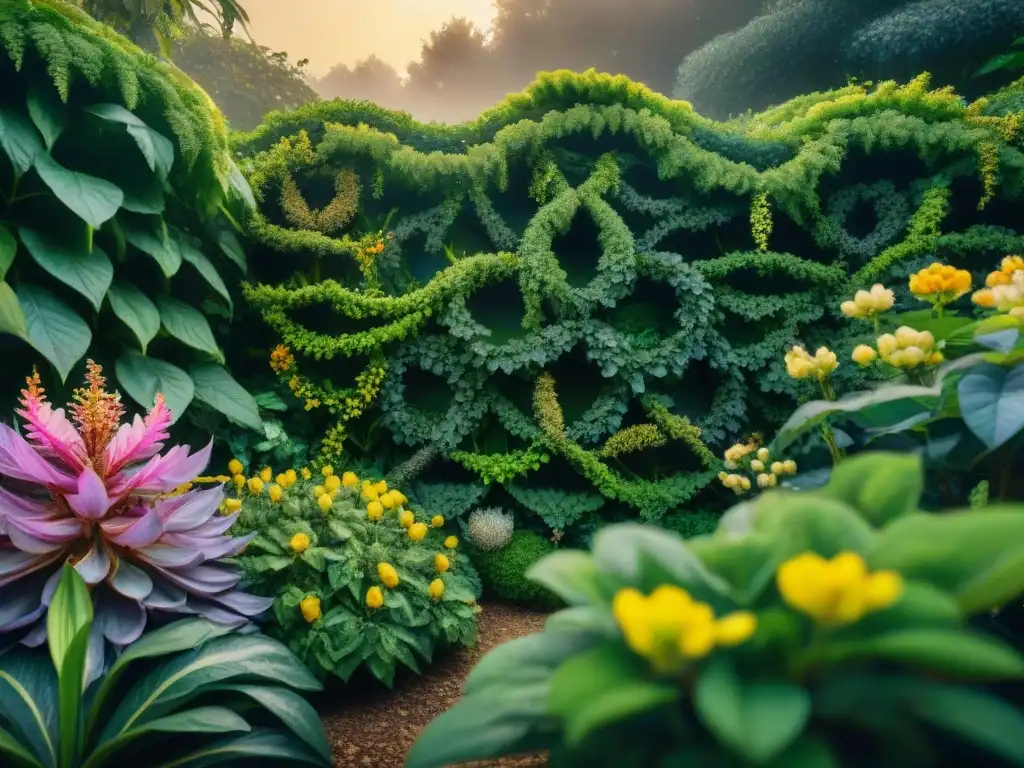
[{"x": 379, "y": 728}]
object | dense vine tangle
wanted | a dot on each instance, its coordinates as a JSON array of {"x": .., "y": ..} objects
[{"x": 747, "y": 233}]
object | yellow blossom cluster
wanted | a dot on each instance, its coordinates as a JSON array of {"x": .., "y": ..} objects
[
  {"x": 669, "y": 628},
  {"x": 904, "y": 349},
  {"x": 281, "y": 359},
  {"x": 800, "y": 364},
  {"x": 758, "y": 462},
  {"x": 836, "y": 591},
  {"x": 865, "y": 305},
  {"x": 940, "y": 284},
  {"x": 1004, "y": 289}
]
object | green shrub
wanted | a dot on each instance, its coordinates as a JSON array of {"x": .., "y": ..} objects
[
  {"x": 359, "y": 577},
  {"x": 822, "y": 628},
  {"x": 503, "y": 572},
  {"x": 190, "y": 693},
  {"x": 639, "y": 268},
  {"x": 115, "y": 236}
]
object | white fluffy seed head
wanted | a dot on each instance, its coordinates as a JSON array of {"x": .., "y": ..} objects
[{"x": 491, "y": 528}]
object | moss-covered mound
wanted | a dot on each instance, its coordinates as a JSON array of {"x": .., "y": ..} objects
[{"x": 652, "y": 264}]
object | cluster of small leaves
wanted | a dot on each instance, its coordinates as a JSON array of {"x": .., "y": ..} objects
[
  {"x": 303, "y": 551},
  {"x": 501, "y": 468},
  {"x": 112, "y": 240}
]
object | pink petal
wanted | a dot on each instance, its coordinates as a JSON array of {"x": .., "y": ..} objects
[
  {"x": 200, "y": 507},
  {"x": 163, "y": 473},
  {"x": 91, "y": 501},
  {"x": 133, "y": 532},
  {"x": 141, "y": 439},
  {"x": 53, "y": 433},
  {"x": 40, "y": 536},
  {"x": 15, "y": 505},
  {"x": 175, "y": 556},
  {"x": 19, "y": 460}
]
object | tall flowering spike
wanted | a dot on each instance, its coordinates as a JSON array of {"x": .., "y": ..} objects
[
  {"x": 96, "y": 412},
  {"x": 94, "y": 493}
]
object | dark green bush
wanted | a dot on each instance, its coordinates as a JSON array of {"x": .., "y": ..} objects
[{"x": 503, "y": 572}]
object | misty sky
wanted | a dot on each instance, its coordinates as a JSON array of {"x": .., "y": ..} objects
[{"x": 331, "y": 31}]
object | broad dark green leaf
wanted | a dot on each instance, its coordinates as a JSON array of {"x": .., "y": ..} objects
[
  {"x": 239, "y": 184},
  {"x": 87, "y": 272},
  {"x": 203, "y": 265},
  {"x": 756, "y": 719},
  {"x": 56, "y": 331},
  {"x": 232, "y": 248},
  {"x": 28, "y": 698},
  {"x": 11, "y": 749},
  {"x": 992, "y": 402},
  {"x": 530, "y": 658},
  {"x": 266, "y": 747},
  {"x": 809, "y": 521},
  {"x": 93, "y": 199},
  {"x": 293, "y": 711},
  {"x": 144, "y": 377},
  {"x": 134, "y": 309},
  {"x": 975, "y": 716},
  {"x": 12, "y": 319},
  {"x": 149, "y": 236},
  {"x": 155, "y": 147},
  {"x": 216, "y": 388},
  {"x": 19, "y": 140},
  {"x": 188, "y": 325},
  {"x": 880, "y": 485},
  {"x": 208, "y": 719},
  {"x": 47, "y": 111},
  {"x": 8, "y": 250},
  {"x": 570, "y": 574}
]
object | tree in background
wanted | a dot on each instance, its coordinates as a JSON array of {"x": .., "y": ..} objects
[
  {"x": 455, "y": 74},
  {"x": 370, "y": 80},
  {"x": 799, "y": 46},
  {"x": 151, "y": 23}
]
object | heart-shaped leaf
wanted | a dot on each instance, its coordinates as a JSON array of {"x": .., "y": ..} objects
[
  {"x": 216, "y": 388},
  {"x": 992, "y": 402},
  {"x": 94, "y": 200},
  {"x": 54, "y": 329},
  {"x": 12, "y": 318},
  {"x": 144, "y": 377},
  {"x": 188, "y": 325},
  {"x": 19, "y": 140},
  {"x": 134, "y": 309},
  {"x": 47, "y": 111},
  {"x": 88, "y": 272},
  {"x": 155, "y": 147},
  {"x": 149, "y": 235}
]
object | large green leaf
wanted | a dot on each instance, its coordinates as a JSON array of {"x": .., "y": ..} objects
[
  {"x": 203, "y": 265},
  {"x": 889, "y": 404},
  {"x": 47, "y": 111},
  {"x": 88, "y": 272},
  {"x": 231, "y": 247},
  {"x": 56, "y": 331},
  {"x": 975, "y": 556},
  {"x": 150, "y": 237},
  {"x": 94, "y": 200},
  {"x": 19, "y": 140},
  {"x": 292, "y": 710},
  {"x": 188, "y": 325},
  {"x": 134, "y": 309},
  {"x": 144, "y": 377},
  {"x": 992, "y": 402},
  {"x": 68, "y": 622},
  {"x": 756, "y": 719},
  {"x": 245, "y": 658},
  {"x": 808, "y": 521},
  {"x": 28, "y": 698},
  {"x": 12, "y": 318},
  {"x": 601, "y": 687},
  {"x": 260, "y": 746},
  {"x": 570, "y": 574},
  {"x": 530, "y": 658},
  {"x": 12, "y": 749},
  {"x": 216, "y": 388},
  {"x": 974, "y": 716},
  {"x": 155, "y": 147},
  {"x": 210, "y": 719},
  {"x": 8, "y": 250},
  {"x": 880, "y": 485}
]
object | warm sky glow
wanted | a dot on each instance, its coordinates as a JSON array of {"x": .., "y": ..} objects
[{"x": 331, "y": 31}]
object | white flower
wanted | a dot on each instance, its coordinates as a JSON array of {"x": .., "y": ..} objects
[{"x": 491, "y": 529}]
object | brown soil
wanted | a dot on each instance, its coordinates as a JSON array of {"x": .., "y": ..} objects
[{"x": 378, "y": 728}]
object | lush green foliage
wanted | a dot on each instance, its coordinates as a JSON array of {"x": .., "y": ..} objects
[
  {"x": 360, "y": 577},
  {"x": 503, "y": 572},
  {"x": 115, "y": 240},
  {"x": 799, "y": 46},
  {"x": 814, "y": 628},
  {"x": 652, "y": 264},
  {"x": 190, "y": 693}
]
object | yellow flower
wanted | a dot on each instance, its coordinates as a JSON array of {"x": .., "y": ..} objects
[
  {"x": 380, "y": 486},
  {"x": 388, "y": 575},
  {"x": 757, "y": 465},
  {"x": 864, "y": 355},
  {"x": 332, "y": 483},
  {"x": 437, "y": 521},
  {"x": 238, "y": 480},
  {"x": 310, "y": 607},
  {"x": 790, "y": 466},
  {"x": 235, "y": 467},
  {"x": 436, "y": 590},
  {"x": 799, "y": 364},
  {"x": 406, "y": 518},
  {"x": 255, "y": 486},
  {"x": 349, "y": 479},
  {"x": 985, "y": 297},
  {"x": 374, "y": 597},
  {"x": 736, "y": 628},
  {"x": 299, "y": 543},
  {"x": 370, "y": 493},
  {"x": 417, "y": 531},
  {"x": 763, "y": 454},
  {"x": 275, "y": 491},
  {"x": 233, "y": 505},
  {"x": 388, "y": 500},
  {"x": 441, "y": 563},
  {"x": 886, "y": 344},
  {"x": 825, "y": 361},
  {"x": 318, "y": 491},
  {"x": 327, "y": 470},
  {"x": 836, "y": 591},
  {"x": 291, "y": 478},
  {"x": 266, "y": 474},
  {"x": 281, "y": 359},
  {"x": 777, "y": 468},
  {"x": 281, "y": 479},
  {"x": 867, "y": 304},
  {"x": 400, "y": 498},
  {"x": 374, "y": 510},
  {"x": 766, "y": 481},
  {"x": 940, "y": 284},
  {"x": 325, "y": 502},
  {"x": 306, "y": 474},
  {"x": 451, "y": 542}
]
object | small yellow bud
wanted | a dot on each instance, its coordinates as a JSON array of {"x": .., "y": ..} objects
[
  {"x": 233, "y": 505},
  {"x": 255, "y": 486},
  {"x": 763, "y": 454},
  {"x": 374, "y": 510},
  {"x": 281, "y": 479},
  {"x": 735, "y": 628},
  {"x": 374, "y": 597},
  {"x": 906, "y": 336},
  {"x": 764, "y": 481},
  {"x": 757, "y": 465},
  {"x": 436, "y": 590},
  {"x": 790, "y": 466},
  {"x": 388, "y": 500},
  {"x": 778, "y": 468},
  {"x": 388, "y": 575},
  {"x": 864, "y": 301},
  {"x": 437, "y": 521},
  {"x": 332, "y": 483},
  {"x": 276, "y": 492},
  {"x": 310, "y": 607},
  {"x": 325, "y": 502},
  {"x": 266, "y": 474},
  {"x": 235, "y": 467},
  {"x": 318, "y": 491},
  {"x": 850, "y": 309},
  {"x": 864, "y": 355},
  {"x": 380, "y": 486},
  {"x": 913, "y": 356},
  {"x": 417, "y": 531},
  {"x": 887, "y": 344},
  {"x": 306, "y": 474},
  {"x": 299, "y": 543},
  {"x": 291, "y": 478},
  {"x": 238, "y": 480},
  {"x": 406, "y": 518},
  {"x": 451, "y": 542},
  {"x": 327, "y": 470},
  {"x": 349, "y": 479},
  {"x": 441, "y": 563}
]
